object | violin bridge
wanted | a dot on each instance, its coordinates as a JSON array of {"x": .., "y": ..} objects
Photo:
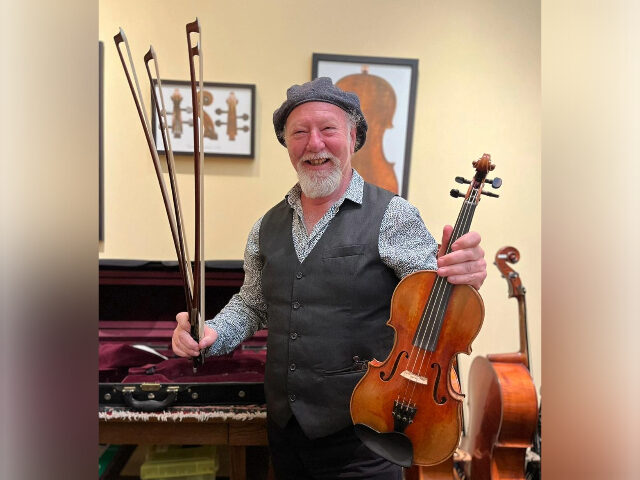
[{"x": 414, "y": 378}]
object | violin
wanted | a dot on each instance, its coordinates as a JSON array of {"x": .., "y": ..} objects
[
  {"x": 503, "y": 404},
  {"x": 406, "y": 408}
]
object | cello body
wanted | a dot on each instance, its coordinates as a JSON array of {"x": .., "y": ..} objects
[
  {"x": 378, "y": 103},
  {"x": 503, "y": 414},
  {"x": 503, "y": 404},
  {"x": 441, "y": 471},
  {"x": 435, "y": 428}
]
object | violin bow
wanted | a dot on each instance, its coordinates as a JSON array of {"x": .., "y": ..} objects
[
  {"x": 196, "y": 317},
  {"x": 182, "y": 252},
  {"x": 193, "y": 283}
]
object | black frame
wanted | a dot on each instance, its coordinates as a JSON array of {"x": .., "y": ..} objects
[
  {"x": 410, "y": 63},
  {"x": 209, "y": 151},
  {"x": 100, "y": 141}
]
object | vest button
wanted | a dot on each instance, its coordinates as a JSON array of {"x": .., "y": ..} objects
[
  {"x": 296, "y": 305},
  {"x": 292, "y": 397},
  {"x": 299, "y": 275},
  {"x": 292, "y": 367},
  {"x": 293, "y": 335}
]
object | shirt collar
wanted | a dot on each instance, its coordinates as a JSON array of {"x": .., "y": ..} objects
[{"x": 353, "y": 192}]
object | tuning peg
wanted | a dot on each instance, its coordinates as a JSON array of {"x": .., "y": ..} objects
[
  {"x": 489, "y": 194},
  {"x": 462, "y": 180},
  {"x": 495, "y": 183},
  {"x": 456, "y": 193}
]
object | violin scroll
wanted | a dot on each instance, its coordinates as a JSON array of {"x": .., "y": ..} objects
[{"x": 482, "y": 166}]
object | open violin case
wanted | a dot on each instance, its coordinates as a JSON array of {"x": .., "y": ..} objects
[{"x": 137, "y": 368}]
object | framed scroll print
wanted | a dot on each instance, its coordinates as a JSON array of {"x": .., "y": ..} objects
[
  {"x": 387, "y": 91},
  {"x": 228, "y": 111}
]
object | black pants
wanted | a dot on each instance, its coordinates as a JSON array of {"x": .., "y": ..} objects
[{"x": 340, "y": 455}]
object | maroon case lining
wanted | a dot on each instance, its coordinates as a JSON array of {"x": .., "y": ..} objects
[{"x": 122, "y": 362}]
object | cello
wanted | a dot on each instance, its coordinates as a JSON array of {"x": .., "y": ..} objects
[
  {"x": 503, "y": 404},
  {"x": 378, "y": 103},
  {"x": 406, "y": 408}
]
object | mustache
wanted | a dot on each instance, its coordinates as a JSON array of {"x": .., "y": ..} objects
[{"x": 319, "y": 156}]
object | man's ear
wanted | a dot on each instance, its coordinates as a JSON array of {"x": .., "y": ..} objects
[{"x": 353, "y": 139}]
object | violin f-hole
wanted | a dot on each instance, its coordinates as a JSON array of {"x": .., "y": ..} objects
[
  {"x": 442, "y": 400},
  {"x": 395, "y": 366}
]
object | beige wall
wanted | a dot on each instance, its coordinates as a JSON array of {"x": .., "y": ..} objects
[{"x": 478, "y": 91}]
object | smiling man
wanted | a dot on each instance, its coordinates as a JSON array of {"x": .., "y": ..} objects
[{"x": 320, "y": 270}]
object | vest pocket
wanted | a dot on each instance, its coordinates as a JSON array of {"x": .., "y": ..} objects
[
  {"x": 343, "y": 261},
  {"x": 358, "y": 366},
  {"x": 344, "y": 251}
]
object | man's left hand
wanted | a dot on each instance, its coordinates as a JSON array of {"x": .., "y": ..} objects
[{"x": 465, "y": 263}]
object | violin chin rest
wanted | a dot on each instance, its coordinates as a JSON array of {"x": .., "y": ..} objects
[{"x": 394, "y": 446}]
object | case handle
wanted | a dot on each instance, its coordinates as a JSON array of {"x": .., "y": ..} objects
[{"x": 150, "y": 405}]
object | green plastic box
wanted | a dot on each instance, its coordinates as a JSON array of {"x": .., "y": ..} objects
[{"x": 198, "y": 463}]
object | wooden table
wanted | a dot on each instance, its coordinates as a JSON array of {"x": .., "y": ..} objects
[{"x": 179, "y": 429}]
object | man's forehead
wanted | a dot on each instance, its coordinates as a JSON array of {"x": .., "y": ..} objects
[{"x": 319, "y": 110}]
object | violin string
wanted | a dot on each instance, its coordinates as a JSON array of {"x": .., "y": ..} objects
[
  {"x": 426, "y": 326},
  {"x": 441, "y": 288},
  {"x": 443, "y": 293},
  {"x": 414, "y": 348},
  {"x": 434, "y": 324}
]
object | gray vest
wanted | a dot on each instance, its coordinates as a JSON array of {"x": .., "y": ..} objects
[{"x": 326, "y": 315}]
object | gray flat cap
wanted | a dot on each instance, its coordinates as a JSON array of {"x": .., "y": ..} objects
[{"x": 320, "y": 90}]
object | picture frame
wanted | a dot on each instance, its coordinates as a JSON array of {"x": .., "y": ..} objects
[
  {"x": 100, "y": 141},
  {"x": 387, "y": 91},
  {"x": 228, "y": 118}
]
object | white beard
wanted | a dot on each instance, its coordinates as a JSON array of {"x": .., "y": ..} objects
[{"x": 319, "y": 184}]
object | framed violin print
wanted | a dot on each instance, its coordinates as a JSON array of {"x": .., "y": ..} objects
[
  {"x": 228, "y": 116},
  {"x": 100, "y": 142},
  {"x": 387, "y": 91}
]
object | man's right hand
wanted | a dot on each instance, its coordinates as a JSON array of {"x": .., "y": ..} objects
[{"x": 182, "y": 343}]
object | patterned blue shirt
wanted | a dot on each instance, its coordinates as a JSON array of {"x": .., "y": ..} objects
[{"x": 405, "y": 245}]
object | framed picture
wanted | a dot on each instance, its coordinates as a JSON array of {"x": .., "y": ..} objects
[
  {"x": 387, "y": 91},
  {"x": 100, "y": 142},
  {"x": 228, "y": 118}
]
